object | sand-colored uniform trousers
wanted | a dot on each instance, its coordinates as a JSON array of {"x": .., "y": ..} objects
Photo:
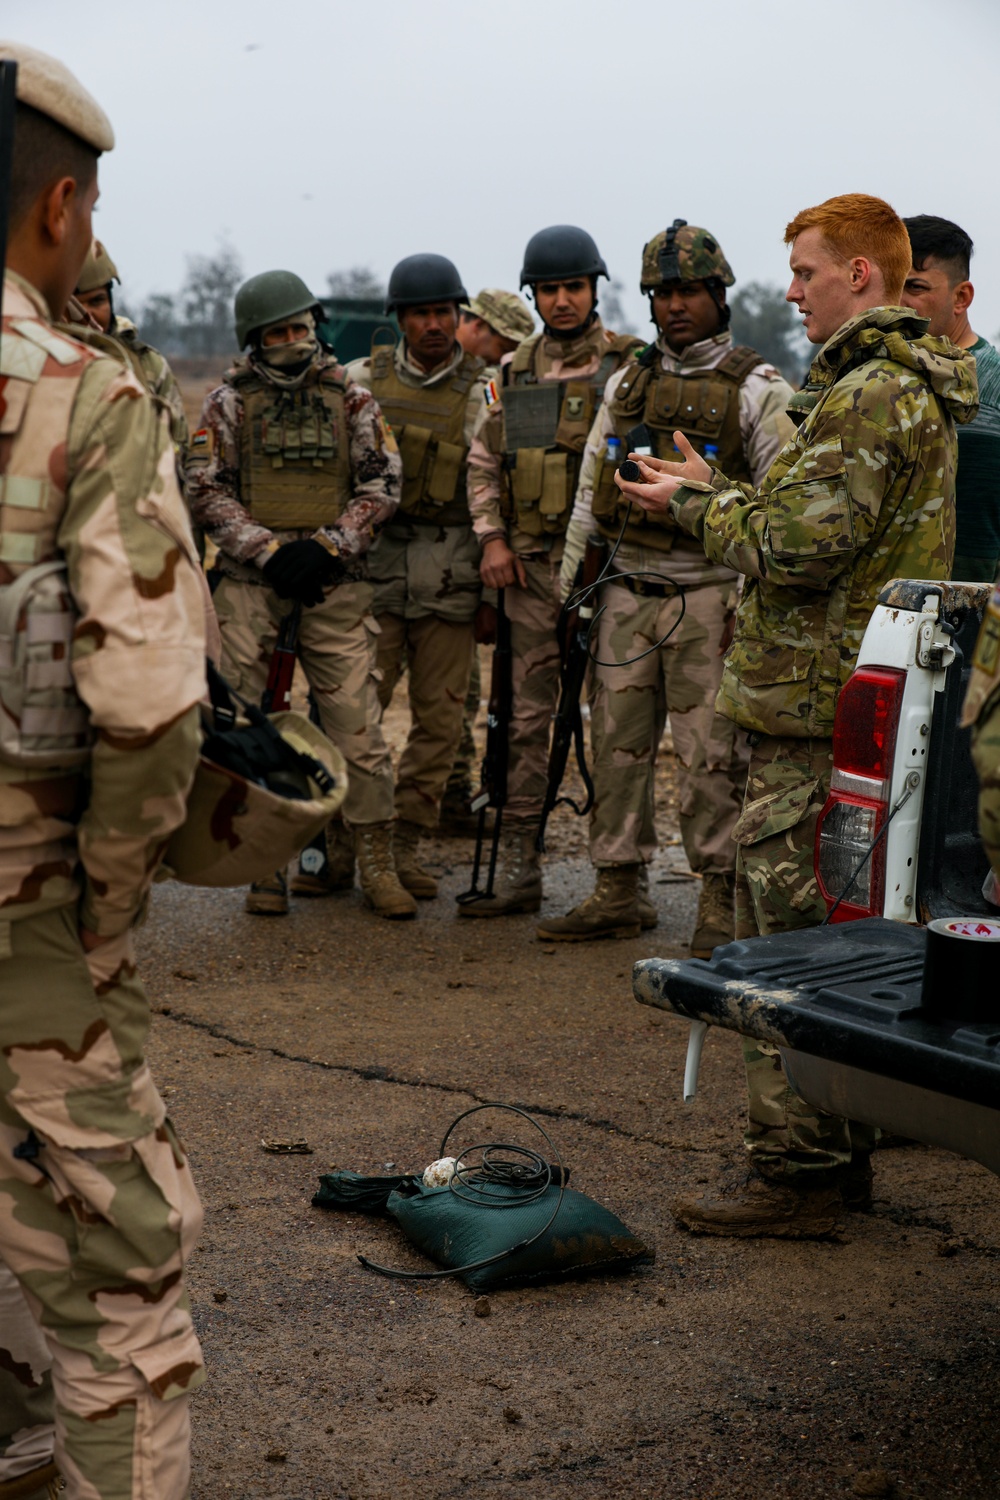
[
  {"x": 776, "y": 891},
  {"x": 98, "y": 1212},
  {"x": 629, "y": 704},
  {"x": 337, "y": 651},
  {"x": 533, "y": 612},
  {"x": 27, "y": 1410}
]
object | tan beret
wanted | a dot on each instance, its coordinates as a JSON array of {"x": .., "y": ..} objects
[
  {"x": 48, "y": 86},
  {"x": 505, "y": 312}
]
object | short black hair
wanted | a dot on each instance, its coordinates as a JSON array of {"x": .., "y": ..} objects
[
  {"x": 942, "y": 240},
  {"x": 44, "y": 151}
]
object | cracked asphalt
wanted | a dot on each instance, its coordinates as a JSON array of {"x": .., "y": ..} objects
[{"x": 730, "y": 1369}]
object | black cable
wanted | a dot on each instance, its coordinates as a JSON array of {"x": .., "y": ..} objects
[
  {"x": 907, "y": 794},
  {"x": 474, "y": 1185}
]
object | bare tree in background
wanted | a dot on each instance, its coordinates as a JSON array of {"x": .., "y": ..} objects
[
  {"x": 764, "y": 320},
  {"x": 613, "y": 314},
  {"x": 207, "y": 301},
  {"x": 358, "y": 284}
]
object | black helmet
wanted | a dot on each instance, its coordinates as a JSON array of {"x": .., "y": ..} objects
[
  {"x": 424, "y": 278},
  {"x": 557, "y": 252}
]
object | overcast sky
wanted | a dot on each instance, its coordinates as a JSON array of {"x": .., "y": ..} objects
[{"x": 322, "y": 134}]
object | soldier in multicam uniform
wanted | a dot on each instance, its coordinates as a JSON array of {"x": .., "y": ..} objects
[
  {"x": 982, "y": 711},
  {"x": 523, "y": 470},
  {"x": 864, "y": 492},
  {"x": 492, "y": 324},
  {"x": 100, "y": 583},
  {"x": 292, "y": 475},
  {"x": 95, "y": 292},
  {"x": 425, "y": 567},
  {"x": 731, "y": 406}
]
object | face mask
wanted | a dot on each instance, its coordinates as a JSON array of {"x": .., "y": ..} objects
[{"x": 288, "y": 356}]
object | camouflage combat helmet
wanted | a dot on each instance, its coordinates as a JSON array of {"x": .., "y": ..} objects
[
  {"x": 560, "y": 251},
  {"x": 242, "y": 827},
  {"x": 683, "y": 253},
  {"x": 424, "y": 278},
  {"x": 505, "y": 312},
  {"x": 268, "y": 298},
  {"x": 98, "y": 269}
]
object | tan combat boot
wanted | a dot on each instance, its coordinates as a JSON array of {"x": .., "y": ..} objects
[
  {"x": 806, "y": 1206},
  {"x": 268, "y": 898},
  {"x": 612, "y": 911},
  {"x": 40, "y": 1484},
  {"x": 519, "y": 885},
  {"x": 648, "y": 915},
  {"x": 338, "y": 874},
  {"x": 377, "y": 872},
  {"x": 405, "y": 842},
  {"x": 716, "y": 920}
]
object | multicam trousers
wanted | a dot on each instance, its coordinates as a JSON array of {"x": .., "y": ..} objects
[
  {"x": 439, "y": 661},
  {"x": 629, "y": 704},
  {"x": 337, "y": 651},
  {"x": 98, "y": 1216},
  {"x": 533, "y": 613},
  {"x": 776, "y": 891}
]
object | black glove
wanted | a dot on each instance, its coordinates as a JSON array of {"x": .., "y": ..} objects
[{"x": 302, "y": 570}]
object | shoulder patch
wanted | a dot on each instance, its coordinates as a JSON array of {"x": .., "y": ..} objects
[
  {"x": 385, "y": 438},
  {"x": 202, "y": 445},
  {"x": 491, "y": 393}
]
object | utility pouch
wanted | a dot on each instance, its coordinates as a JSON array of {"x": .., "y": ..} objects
[
  {"x": 447, "y": 467},
  {"x": 413, "y": 444},
  {"x": 526, "y": 476},
  {"x": 576, "y": 416},
  {"x": 555, "y": 484},
  {"x": 43, "y": 721}
]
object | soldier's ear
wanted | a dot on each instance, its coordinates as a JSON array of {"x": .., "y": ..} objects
[{"x": 963, "y": 294}]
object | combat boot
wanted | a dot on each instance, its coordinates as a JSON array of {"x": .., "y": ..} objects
[
  {"x": 455, "y": 819},
  {"x": 612, "y": 911},
  {"x": 855, "y": 1183},
  {"x": 716, "y": 920},
  {"x": 39, "y": 1484},
  {"x": 807, "y": 1206},
  {"x": 268, "y": 898},
  {"x": 648, "y": 915},
  {"x": 377, "y": 872},
  {"x": 334, "y": 874},
  {"x": 405, "y": 842},
  {"x": 519, "y": 885}
]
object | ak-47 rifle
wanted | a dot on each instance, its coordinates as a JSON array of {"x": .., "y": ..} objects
[
  {"x": 493, "y": 789},
  {"x": 277, "y": 695},
  {"x": 575, "y": 622}
]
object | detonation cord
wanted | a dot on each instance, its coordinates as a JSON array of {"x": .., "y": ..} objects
[
  {"x": 579, "y": 599},
  {"x": 910, "y": 786},
  {"x": 478, "y": 1184}
]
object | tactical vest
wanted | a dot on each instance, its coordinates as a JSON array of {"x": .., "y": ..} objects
[
  {"x": 43, "y": 723},
  {"x": 704, "y": 405},
  {"x": 295, "y": 467},
  {"x": 428, "y": 423},
  {"x": 546, "y": 424}
]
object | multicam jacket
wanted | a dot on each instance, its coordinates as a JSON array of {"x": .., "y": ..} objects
[
  {"x": 863, "y": 493},
  {"x": 982, "y": 711},
  {"x": 214, "y": 489},
  {"x": 88, "y": 474}
]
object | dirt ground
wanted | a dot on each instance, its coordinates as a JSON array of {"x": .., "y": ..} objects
[{"x": 750, "y": 1371}]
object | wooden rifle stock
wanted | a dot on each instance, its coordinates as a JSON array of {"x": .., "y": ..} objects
[
  {"x": 277, "y": 695},
  {"x": 493, "y": 787},
  {"x": 575, "y": 622}
]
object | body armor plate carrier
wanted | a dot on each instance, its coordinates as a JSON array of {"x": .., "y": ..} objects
[{"x": 294, "y": 450}]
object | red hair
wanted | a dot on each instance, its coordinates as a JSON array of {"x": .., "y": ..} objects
[{"x": 856, "y": 224}]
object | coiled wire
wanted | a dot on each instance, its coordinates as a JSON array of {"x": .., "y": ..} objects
[{"x": 581, "y": 596}]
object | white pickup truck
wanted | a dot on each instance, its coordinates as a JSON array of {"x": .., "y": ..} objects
[{"x": 843, "y": 1002}]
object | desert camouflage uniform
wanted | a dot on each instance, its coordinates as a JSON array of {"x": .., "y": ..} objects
[
  {"x": 158, "y": 378},
  {"x": 27, "y": 1408},
  {"x": 534, "y": 610},
  {"x": 864, "y": 492},
  {"x": 982, "y": 711},
  {"x": 336, "y": 638},
  {"x": 425, "y": 574},
  {"x": 629, "y": 703},
  {"x": 98, "y": 1212}
]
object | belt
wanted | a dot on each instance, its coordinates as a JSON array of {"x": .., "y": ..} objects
[{"x": 645, "y": 587}]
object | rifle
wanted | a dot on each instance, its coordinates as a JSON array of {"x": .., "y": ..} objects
[
  {"x": 493, "y": 788},
  {"x": 575, "y": 622},
  {"x": 277, "y": 695}
]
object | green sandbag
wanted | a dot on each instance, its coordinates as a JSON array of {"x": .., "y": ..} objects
[
  {"x": 361, "y": 1195},
  {"x": 584, "y": 1236}
]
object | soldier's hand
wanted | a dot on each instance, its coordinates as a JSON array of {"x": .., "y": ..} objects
[
  {"x": 500, "y": 568},
  {"x": 484, "y": 625},
  {"x": 661, "y": 479}
]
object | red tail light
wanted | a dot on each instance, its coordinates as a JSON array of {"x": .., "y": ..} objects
[{"x": 864, "y": 742}]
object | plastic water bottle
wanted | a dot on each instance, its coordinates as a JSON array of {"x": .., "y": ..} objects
[
  {"x": 712, "y": 454},
  {"x": 614, "y": 454}
]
